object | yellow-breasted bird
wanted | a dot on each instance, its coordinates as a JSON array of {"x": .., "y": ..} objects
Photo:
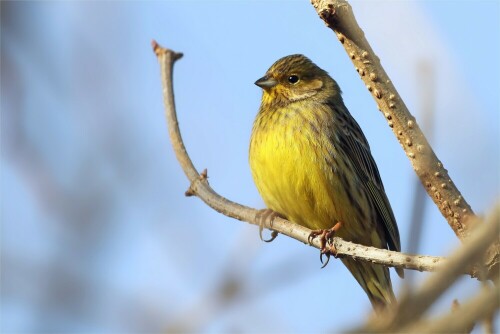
[{"x": 312, "y": 164}]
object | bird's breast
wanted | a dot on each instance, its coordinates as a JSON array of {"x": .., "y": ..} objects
[{"x": 292, "y": 158}]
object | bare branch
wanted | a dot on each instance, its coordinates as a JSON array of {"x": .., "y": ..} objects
[
  {"x": 338, "y": 15},
  {"x": 200, "y": 187}
]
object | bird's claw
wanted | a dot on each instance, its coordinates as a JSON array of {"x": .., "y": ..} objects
[
  {"x": 327, "y": 254},
  {"x": 261, "y": 217},
  {"x": 326, "y": 238}
]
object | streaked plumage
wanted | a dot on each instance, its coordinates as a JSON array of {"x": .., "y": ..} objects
[{"x": 312, "y": 164}]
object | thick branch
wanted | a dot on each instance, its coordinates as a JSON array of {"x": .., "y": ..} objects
[
  {"x": 338, "y": 15},
  {"x": 200, "y": 187}
]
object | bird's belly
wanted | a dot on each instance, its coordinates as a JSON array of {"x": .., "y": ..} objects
[{"x": 295, "y": 179}]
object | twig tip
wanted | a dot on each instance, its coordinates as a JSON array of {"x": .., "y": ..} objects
[
  {"x": 156, "y": 47},
  {"x": 158, "y": 50},
  {"x": 204, "y": 174},
  {"x": 189, "y": 192},
  {"x": 177, "y": 55}
]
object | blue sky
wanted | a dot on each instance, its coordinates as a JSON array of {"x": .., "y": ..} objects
[{"x": 96, "y": 232}]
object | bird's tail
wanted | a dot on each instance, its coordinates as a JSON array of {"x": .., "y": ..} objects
[{"x": 375, "y": 280}]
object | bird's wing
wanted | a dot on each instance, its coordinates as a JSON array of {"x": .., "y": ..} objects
[{"x": 357, "y": 147}]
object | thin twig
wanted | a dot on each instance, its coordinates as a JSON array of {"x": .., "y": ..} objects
[
  {"x": 338, "y": 15},
  {"x": 200, "y": 187}
]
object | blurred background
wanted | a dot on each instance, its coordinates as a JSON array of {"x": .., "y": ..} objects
[{"x": 96, "y": 234}]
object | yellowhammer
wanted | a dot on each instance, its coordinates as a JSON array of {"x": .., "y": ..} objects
[{"x": 312, "y": 164}]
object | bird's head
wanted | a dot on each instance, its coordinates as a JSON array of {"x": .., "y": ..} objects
[{"x": 294, "y": 78}]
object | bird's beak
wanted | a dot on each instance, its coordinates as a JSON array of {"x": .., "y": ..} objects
[{"x": 266, "y": 82}]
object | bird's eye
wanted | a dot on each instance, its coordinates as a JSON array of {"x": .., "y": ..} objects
[{"x": 293, "y": 79}]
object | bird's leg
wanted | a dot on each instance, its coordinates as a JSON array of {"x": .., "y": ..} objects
[
  {"x": 325, "y": 236},
  {"x": 261, "y": 217}
]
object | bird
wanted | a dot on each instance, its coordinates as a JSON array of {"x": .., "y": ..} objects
[{"x": 312, "y": 165}]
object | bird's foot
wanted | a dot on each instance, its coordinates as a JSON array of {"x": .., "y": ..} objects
[
  {"x": 325, "y": 237},
  {"x": 261, "y": 217}
]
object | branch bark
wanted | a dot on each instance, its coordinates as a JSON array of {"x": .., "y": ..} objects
[
  {"x": 200, "y": 187},
  {"x": 338, "y": 16}
]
